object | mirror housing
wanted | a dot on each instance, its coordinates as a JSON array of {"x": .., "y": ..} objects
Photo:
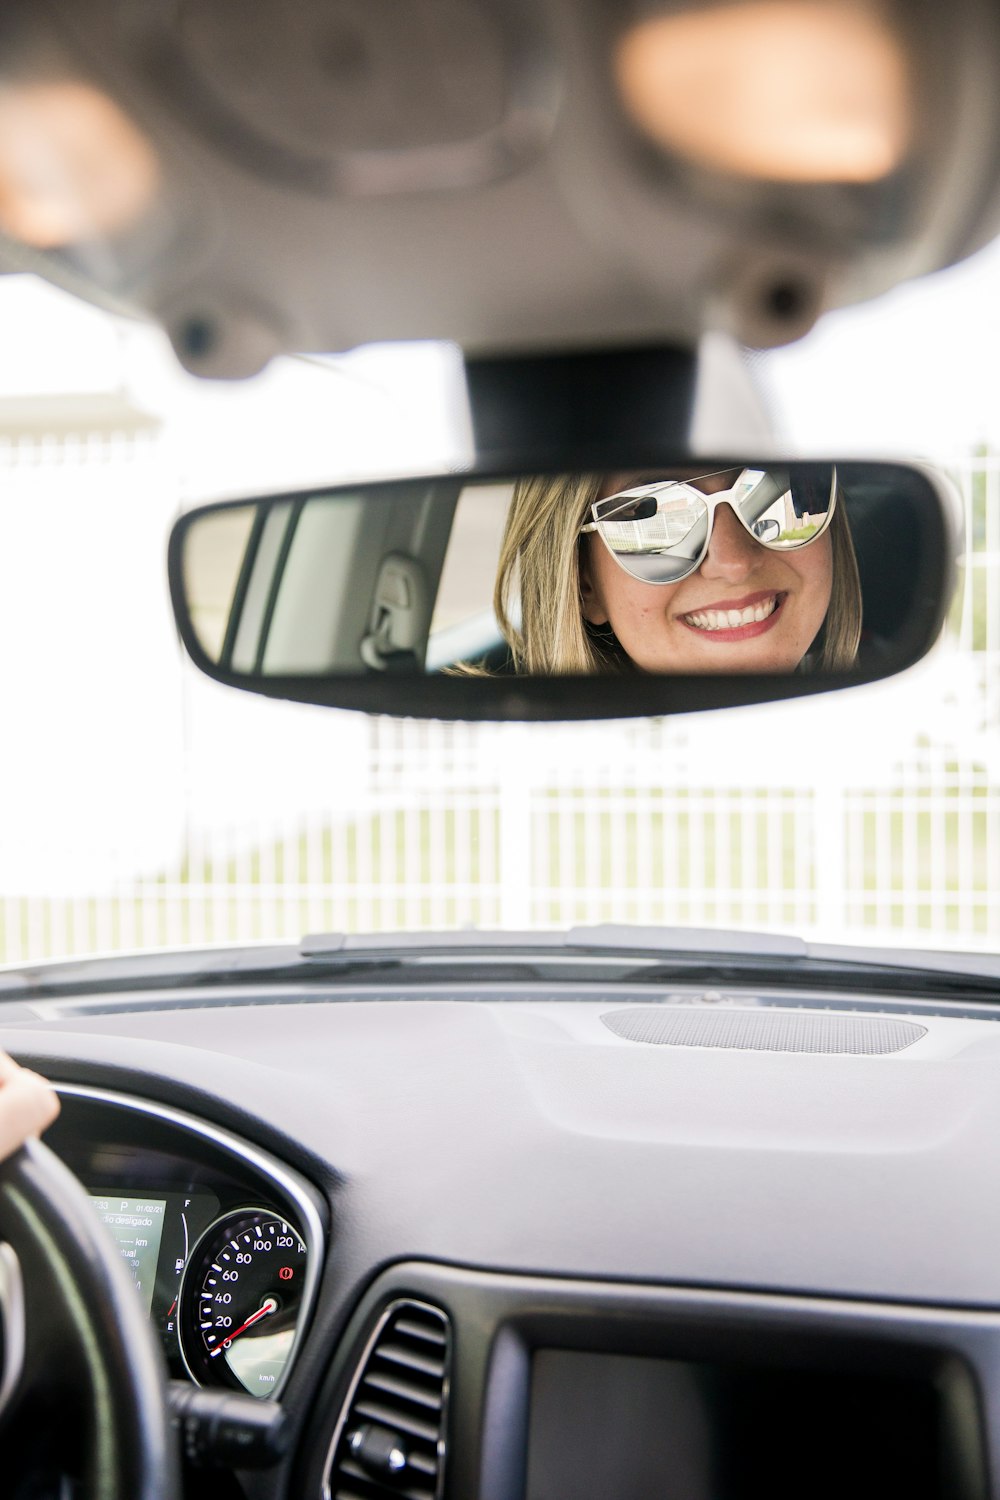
[{"x": 379, "y": 596}]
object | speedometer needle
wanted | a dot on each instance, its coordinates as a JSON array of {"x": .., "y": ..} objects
[{"x": 267, "y": 1306}]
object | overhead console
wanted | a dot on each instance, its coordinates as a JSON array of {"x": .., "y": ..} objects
[{"x": 601, "y": 172}]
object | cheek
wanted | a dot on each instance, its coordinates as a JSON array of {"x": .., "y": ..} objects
[
  {"x": 814, "y": 566},
  {"x": 638, "y": 613},
  {"x": 626, "y": 603}
]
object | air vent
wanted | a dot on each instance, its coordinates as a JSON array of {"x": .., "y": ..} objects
[
  {"x": 389, "y": 1440},
  {"x": 764, "y": 1031}
]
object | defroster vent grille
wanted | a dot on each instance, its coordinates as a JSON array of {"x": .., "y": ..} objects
[
  {"x": 389, "y": 1441},
  {"x": 765, "y": 1031}
]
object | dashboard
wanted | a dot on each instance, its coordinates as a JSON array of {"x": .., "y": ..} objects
[{"x": 534, "y": 1257}]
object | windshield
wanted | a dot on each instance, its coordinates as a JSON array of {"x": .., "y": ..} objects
[{"x": 143, "y": 806}]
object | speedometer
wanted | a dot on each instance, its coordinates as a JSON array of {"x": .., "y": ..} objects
[{"x": 240, "y": 1301}]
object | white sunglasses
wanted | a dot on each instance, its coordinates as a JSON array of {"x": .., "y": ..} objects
[{"x": 659, "y": 532}]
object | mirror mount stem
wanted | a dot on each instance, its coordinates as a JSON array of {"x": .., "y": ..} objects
[{"x": 530, "y": 411}]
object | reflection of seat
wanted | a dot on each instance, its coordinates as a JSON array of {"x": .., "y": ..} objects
[
  {"x": 498, "y": 661},
  {"x": 886, "y": 529},
  {"x": 476, "y": 642}
]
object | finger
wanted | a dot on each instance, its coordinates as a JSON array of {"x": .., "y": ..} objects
[
  {"x": 27, "y": 1105},
  {"x": 8, "y": 1067}
]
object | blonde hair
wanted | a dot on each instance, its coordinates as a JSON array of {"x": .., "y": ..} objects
[{"x": 538, "y": 576}]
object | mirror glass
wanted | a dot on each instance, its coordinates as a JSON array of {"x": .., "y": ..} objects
[{"x": 717, "y": 569}]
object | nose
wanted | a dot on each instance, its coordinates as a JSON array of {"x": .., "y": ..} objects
[{"x": 732, "y": 554}]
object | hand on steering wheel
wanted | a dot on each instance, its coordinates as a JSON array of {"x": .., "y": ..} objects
[
  {"x": 82, "y": 1387},
  {"x": 28, "y": 1105}
]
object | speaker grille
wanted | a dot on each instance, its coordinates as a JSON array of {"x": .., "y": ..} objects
[{"x": 764, "y": 1031}]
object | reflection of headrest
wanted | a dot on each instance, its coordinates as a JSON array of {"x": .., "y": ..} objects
[
  {"x": 810, "y": 490},
  {"x": 886, "y": 531}
]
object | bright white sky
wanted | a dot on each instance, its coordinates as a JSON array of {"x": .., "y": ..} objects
[
  {"x": 113, "y": 750},
  {"x": 915, "y": 373},
  {"x": 379, "y": 410}
]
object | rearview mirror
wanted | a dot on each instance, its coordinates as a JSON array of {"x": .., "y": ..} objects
[{"x": 650, "y": 590}]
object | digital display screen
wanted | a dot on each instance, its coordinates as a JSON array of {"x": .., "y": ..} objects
[
  {"x": 633, "y": 1425},
  {"x": 136, "y": 1226}
]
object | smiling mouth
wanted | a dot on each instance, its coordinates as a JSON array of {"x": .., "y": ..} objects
[{"x": 733, "y": 619}]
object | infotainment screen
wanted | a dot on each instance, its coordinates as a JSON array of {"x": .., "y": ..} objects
[
  {"x": 136, "y": 1225},
  {"x": 635, "y": 1428}
]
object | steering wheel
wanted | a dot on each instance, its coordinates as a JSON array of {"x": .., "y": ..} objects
[{"x": 82, "y": 1384}]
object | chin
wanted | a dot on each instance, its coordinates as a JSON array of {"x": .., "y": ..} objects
[{"x": 723, "y": 661}]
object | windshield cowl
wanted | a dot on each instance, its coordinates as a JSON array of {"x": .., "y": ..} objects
[{"x": 686, "y": 966}]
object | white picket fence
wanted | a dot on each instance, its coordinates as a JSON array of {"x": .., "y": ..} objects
[{"x": 917, "y": 860}]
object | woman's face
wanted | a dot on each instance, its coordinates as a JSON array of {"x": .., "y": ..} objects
[{"x": 745, "y": 609}]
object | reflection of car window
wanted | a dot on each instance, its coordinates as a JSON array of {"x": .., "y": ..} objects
[
  {"x": 470, "y": 563},
  {"x": 215, "y": 568},
  {"x": 781, "y": 523}
]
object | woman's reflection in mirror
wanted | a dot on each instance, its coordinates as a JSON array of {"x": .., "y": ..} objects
[{"x": 567, "y": 599}]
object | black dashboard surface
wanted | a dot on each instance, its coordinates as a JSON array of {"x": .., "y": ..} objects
[
  {"x": 530, "y": 1137},
  {"x": 530, "y": 1140}
]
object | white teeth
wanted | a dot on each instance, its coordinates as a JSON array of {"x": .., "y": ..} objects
[{"x": 732, "y": 619}]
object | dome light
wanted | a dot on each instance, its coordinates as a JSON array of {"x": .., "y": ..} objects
[
  {"x": 784, "y": 90},
  {"x": 73, "y": 167}
]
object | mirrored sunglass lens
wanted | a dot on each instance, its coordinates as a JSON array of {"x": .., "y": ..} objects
[
  {"x": 626, "y": 508},
  {"x": 657, "y": 567},
  {"x": 788, "y": 509},
  {"x": 666, "y": 522}
]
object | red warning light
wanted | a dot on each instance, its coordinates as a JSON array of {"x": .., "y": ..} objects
[{"x": 286, "y": 1273}]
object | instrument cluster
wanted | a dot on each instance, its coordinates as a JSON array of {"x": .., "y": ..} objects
[{"x": 222, "y": 1241}]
